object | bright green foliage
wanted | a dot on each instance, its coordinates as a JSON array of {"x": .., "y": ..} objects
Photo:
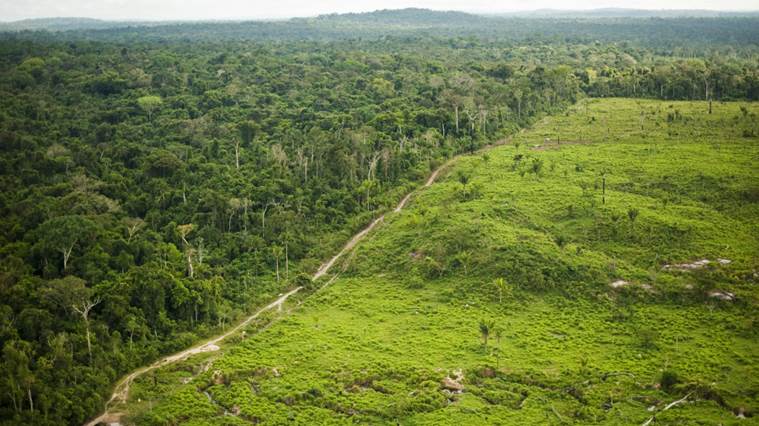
[
  {"x": 149, "y": 104},
  {"x": 566, "y": 346},
  {"x": 274, "y": 142},
  {"x": 271, "y": 154}
]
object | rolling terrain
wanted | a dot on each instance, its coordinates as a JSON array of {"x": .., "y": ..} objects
[
  {"x": 599, "y": 269},
  {"x": 313, "y": 208}
]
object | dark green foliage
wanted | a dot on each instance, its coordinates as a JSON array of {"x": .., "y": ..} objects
[
  {"x": 172, "y": 184},
  {"x": 668, "y": 380},
  {"x": 648, "y": 337}
]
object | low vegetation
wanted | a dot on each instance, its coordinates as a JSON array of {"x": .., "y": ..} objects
[
  {"x": 161, "y": 181},
  {"x": 499, "y": 308}
]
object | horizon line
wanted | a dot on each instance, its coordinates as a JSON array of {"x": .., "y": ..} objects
[{"x": 479, "y": 12}]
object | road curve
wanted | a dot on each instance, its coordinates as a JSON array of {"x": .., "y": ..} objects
[{"x": 121, "y": 391}]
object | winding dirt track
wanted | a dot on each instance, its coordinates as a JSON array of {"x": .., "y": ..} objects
[
  {"x": 121, "y": 390},
  {"x": 358, "y": 237}
]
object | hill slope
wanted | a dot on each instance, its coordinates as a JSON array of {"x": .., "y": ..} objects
[
  {"x": 674, "y": 30},
  {"x": 605, "y": 314}
]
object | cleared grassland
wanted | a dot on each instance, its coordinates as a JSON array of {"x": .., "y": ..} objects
[{"x": 615, "y": 191}]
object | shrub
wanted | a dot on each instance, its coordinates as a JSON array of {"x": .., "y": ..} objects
[
  {"x": 648, "y": 337},
  {"x": 668, "y": 380}
]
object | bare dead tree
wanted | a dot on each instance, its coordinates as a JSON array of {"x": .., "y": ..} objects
[
  {"x": 83, "y": 308},
  {"x": 134, "y": 225},
  {"x": 184, "y": 230}
]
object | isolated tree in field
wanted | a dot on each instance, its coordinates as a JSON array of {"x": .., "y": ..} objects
[
  {"x": 485, "y": 328},
  {"x": 62, "y": 233},
  {"x": 537, "y": 166},
  {"x": 463, "y": 179},
  {"x": 501, "y": 286},
  {"x": 498, "y": 335},
  {"x": 462, "y": 258},
  {"x": 632, "y": 214},
  {"x": 149, "y": 104}
]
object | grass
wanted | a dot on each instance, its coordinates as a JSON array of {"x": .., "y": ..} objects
[{"x": 376, "y": 345}]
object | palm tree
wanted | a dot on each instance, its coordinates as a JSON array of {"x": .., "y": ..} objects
[
  {"x": 485, "y": 328},
  {"x": 498, "y": 334},
  {"x": 500, "y": 284},
  {"x": 632, "y": 214},
  {"x": 463, "y": 258}
]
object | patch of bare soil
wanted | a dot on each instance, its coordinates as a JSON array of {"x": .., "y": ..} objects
[
  {"x": 556, "y": 144},
  {"x": 454, "y": 384},
  {"x": 722, "y": 295},
  {"x": 623, "y": 283},
  {"x": 698, "y": 264}
]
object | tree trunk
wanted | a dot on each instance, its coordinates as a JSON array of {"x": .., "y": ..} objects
[
  {"x": 87, "y": 333},
  {"x": 519, "y": 107},
  {"x": 245, "y": 215},
  {"x": 456, "y": 109},
  {"x": 66, "y": 256},
  {"x": 287, "y": 263},
  {"x": 12, "y": 394},
  {"x": 31, "y": 401},
  {"x": 263, "y": 220},
  {"x": 237, "y": 155},
  {"x": 190, "y": 270}
]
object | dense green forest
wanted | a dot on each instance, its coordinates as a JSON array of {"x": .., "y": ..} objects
[
  {"x": 600, "y": 268},
  {"x": 158, "y": 183}
]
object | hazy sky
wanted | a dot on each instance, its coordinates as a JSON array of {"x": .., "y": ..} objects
[{"x": 238, "y": 9}]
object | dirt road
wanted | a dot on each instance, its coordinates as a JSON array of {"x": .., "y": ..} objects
[{"x": 121, "y": 391}]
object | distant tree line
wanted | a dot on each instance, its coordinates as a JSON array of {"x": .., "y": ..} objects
[{"x": 155, "y": 188}]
